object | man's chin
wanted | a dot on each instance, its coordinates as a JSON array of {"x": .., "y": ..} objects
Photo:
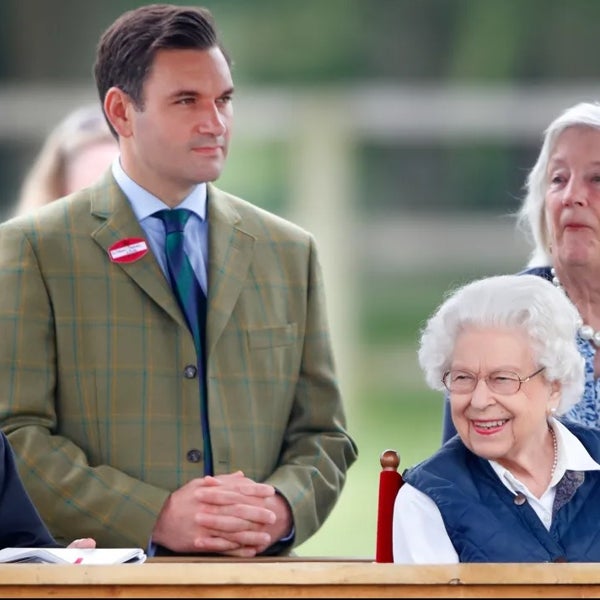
[{"x": 205, "y": 175}]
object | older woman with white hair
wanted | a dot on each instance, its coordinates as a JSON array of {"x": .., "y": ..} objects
[
  {"x": 518, "y": 483},
  {"x": 562, "y": 211},
  {"x": 561, "y": 216}
]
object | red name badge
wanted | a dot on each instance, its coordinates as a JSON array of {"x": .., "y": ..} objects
[{"x": 128, "y": 250}]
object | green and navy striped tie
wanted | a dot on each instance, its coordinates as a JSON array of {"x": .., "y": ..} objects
[{"x": 192, "y": 301}]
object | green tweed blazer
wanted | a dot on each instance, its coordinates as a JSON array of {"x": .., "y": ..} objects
[{"x": 93, "y": 393}]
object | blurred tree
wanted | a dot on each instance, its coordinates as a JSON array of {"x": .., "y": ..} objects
[
  {"x": 286, "y": 41},
  {"x": 337, "y": 42}
]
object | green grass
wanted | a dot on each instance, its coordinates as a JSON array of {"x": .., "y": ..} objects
[{"x": 407, "y": 422}]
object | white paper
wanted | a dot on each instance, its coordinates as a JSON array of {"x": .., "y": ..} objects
[{"x": 73, "y": 556}]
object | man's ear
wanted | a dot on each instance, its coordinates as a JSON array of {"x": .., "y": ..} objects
[{"x": 118, "y": 107}]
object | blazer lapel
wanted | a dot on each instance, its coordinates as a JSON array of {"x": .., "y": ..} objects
[
  {"x": 230, "y": 254},
  {"x": 119, "y": 222}
]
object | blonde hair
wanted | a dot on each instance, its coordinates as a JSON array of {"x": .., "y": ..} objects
[{"x": 45, "y": 180}]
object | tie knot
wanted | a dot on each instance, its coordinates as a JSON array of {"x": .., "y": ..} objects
[{"x": 174, "y": 219}]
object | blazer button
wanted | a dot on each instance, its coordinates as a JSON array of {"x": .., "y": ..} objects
[
  {"x": 190, "y": 372},
  {"x": 194, "y": 455},
  {"x": 520, "y": 499},
  {"x": 560, "y": 559}
]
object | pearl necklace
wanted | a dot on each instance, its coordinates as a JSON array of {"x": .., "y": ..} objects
[
  {"x": 555, "y": 446},
  {"x": 586, "y": 332}
]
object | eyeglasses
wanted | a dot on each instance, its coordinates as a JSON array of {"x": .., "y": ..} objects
[{"x": 501, "y": 382}]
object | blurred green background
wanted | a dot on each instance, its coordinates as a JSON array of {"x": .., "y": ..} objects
[{"x": 398, "y": 131}]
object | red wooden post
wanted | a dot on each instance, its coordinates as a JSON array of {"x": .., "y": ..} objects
[{"x": 390, "y": 481}]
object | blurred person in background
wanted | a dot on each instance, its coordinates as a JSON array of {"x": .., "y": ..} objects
[
  {"x": 518, "y": 483},
  {"x": 74, "y": 155},
  {"x": 561, "y": 214},
  {"x": 218, "y": 430}
]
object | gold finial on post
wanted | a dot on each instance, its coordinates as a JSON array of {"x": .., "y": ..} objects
[{"x": 389, "y": 460}]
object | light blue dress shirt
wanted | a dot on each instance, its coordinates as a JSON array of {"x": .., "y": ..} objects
[{"x": 144, "y": 204}]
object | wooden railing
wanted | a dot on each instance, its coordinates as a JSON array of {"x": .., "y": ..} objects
[{"x": 180, "y": 578}]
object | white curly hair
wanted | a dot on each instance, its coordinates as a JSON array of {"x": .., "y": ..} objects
[{"x": 526, "y": 302}]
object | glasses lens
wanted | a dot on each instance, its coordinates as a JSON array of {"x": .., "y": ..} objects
[
  {"x": 463, "y": 382},
  {"x": 504, "y": 382},
  {"x": 460, "y": 382}
]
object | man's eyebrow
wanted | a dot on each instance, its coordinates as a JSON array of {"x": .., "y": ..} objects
[{"x": 195, "y": 93}]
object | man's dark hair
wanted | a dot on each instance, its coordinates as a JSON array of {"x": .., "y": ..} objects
[{"x": 126, "y": 50}]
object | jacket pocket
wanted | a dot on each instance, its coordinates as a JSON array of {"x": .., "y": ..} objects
[{"x": 272, "y": 337}]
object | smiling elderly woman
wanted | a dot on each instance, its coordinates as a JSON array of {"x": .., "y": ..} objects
[{"x": 517, "y": 484}]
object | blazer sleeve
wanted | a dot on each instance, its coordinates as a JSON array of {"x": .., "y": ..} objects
[{"x": 317, "y": 425}]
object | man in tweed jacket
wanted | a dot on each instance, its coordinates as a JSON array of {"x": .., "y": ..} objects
[{"x": 99, "y": 392}]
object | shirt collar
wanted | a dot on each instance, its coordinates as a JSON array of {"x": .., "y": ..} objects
[
  {"x": 572, "y": 456},
  {"x": 145, "y": 204}
]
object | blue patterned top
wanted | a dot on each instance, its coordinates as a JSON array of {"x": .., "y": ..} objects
[{"x": 587, "y": 410}]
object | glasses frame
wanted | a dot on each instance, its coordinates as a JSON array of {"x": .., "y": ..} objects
[{"x": 521, "y": 381}]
